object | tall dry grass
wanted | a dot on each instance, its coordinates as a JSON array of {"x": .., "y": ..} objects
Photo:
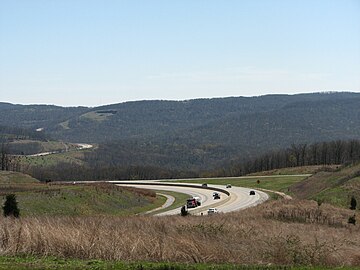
[{"x": 302, "y": 236}]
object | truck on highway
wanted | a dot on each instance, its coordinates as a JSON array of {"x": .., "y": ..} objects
[{"x": 193, "y": 202}]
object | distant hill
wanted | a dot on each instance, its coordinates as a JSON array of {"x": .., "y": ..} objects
[{"x": 196, "y": 133}]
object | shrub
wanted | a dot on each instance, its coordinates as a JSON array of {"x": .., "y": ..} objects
[
  {"x": 10, "y": 207},
  {"x": 352, "y": 220},
  {"x": 353, "y": 203},
  {"x": 184, "y": 211}
]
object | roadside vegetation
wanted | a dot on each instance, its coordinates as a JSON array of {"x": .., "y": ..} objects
[
  {"x": 335, "y": 186},
  {"x": 276, "y": 183},
  {"x": 282, "y": 232},
  {"x": 311, "y": 169}
]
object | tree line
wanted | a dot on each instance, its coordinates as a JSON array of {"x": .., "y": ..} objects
[
  {"x": 323, "y": 153},
  {"x": 8, "y": 134},
  {"x": 75, "y": 172},
  {"x": 8, "y": 162}
]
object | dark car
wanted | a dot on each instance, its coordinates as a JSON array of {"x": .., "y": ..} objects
[
  {"x": 217, "y": 197},
  {"x": 204, "y": 185},
  {"x": 252, "y": 192}
]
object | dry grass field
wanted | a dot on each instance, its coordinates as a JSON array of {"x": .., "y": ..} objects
[{"x": 277, "y": 232}]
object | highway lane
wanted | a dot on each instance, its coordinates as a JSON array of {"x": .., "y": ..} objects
[
  {"x": 169, "y": 201},
  {"x": 238, "y": 199},
  {"x": 206, "y": 196}
]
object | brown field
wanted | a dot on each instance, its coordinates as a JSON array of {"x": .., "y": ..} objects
[{"x": 278, "y": 232}]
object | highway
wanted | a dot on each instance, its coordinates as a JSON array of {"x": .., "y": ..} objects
[{"x": 237, "y": 199}]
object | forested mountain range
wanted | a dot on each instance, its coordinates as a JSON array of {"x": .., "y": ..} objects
[{"x": 194, "y": 133}]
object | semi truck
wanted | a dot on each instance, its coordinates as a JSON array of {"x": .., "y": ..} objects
[{"x": 193, "y": 202}]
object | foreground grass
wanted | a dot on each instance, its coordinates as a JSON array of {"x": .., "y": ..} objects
[
  {"x": 283, "y": 232},
  {"x": 8, "y": 262}
]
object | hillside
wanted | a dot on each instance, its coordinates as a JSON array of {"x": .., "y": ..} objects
[
  {"x": 224, "y": 121},
  {"x": 8, "y": 178},
  {"x": 195, "y": 134},
  {"x": 151, "y": 119},
  {"x": 35, "y": 198},
  {"x": 334, "y": 185}
]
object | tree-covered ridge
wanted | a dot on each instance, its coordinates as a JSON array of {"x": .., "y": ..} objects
[
  {"x": 195, "y": 134},
  {"x": 173, "y": 119},
  {"x": 36, "y": 116},
  {"x": 109, "y": 165}
]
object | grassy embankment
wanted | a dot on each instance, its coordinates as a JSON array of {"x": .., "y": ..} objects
[
  {"x": 330, "y": 184},
  {"x": 335, "y": 186},
  {"x": 39, "y": 199},
  {"x": 276, "y": 182}
]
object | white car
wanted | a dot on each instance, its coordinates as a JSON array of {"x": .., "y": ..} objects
[{"x": 212, "y": 211}]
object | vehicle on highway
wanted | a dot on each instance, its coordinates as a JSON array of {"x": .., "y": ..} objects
[
  {"x": 212, "y": 211},
  {"x": 204, "y": 185},
  {"x": 216, "y": 195},
  {"x": 193, "y": 202},
  {"x": 252, "y": 192},
  {"x": 228, "y": 186}
]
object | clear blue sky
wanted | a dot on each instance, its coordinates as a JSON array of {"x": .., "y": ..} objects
[{"x": 84, "y": 52}]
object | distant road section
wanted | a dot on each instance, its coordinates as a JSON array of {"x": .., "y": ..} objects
[
  {"x": 169, "y": 201},
  {"x": 84, "y": 146},
  {"x": 80, "y": 146}
]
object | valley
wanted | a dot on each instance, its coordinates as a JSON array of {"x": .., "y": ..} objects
[{"x": 273, "y": 179}]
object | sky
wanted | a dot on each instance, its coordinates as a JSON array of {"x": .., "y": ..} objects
[{"x": 87, "y": 52}]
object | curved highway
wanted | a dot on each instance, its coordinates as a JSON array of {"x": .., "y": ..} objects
[{"x": 237, "y": 199}]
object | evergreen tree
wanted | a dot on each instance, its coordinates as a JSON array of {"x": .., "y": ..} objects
[
  {"x": 352, "y": 220},
  {"x": 10, "y": 207},
  {"x": 353, "y": 203},
  {"x": 184, "y": 211}
]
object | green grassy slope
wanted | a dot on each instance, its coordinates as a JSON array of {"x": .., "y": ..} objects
[
  {"x": 7, "y": 178},
  {"x": 335, "y": 187},
  {"x": 36, "y": 198},
  {"x": 275, "y": 182}
]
